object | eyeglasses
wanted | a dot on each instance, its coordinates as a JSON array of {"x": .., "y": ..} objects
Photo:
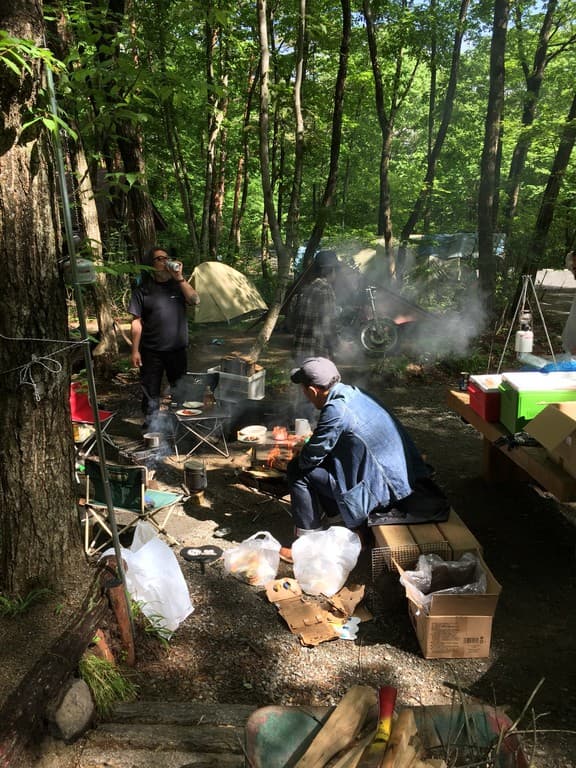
[{"x": 160, "y": 258}]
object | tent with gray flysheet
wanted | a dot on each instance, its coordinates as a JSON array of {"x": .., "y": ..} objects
[{"x": 225, "y": 293}]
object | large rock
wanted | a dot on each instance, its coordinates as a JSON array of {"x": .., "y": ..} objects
[{"x": 72, "y": 714}]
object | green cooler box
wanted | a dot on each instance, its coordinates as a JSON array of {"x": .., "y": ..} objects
[{"x": 524, "y": 394}]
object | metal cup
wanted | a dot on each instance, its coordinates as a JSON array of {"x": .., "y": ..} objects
[{"x": 173, "y": 265}]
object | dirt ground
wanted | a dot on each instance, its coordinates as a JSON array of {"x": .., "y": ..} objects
[{"x": 234, "y": 648}]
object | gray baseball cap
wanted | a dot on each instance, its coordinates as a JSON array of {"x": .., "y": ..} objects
[{"x": 318, "y": 371}]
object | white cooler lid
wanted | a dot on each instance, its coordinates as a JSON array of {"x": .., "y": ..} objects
[
  {"x": 487, "y": 382},
  {"x": 535, "y": 381}
]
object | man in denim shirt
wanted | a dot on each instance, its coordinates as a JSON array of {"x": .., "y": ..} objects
[{"x": 359, "y": 458}]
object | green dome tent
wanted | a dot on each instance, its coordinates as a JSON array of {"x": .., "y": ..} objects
[{"x": 225, "y": 293}]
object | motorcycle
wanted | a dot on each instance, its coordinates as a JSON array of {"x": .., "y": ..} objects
[{"x": 378, "y": 335}]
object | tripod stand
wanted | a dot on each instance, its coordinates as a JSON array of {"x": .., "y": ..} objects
[{"x": 524, "y": 317}]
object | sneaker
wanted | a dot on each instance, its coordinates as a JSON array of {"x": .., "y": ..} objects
[{"x": 286, "y": 555}]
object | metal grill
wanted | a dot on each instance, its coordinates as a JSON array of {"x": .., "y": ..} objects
[
  {"x": 137, "y": 453},
  {"x": 406, "y": 556}
]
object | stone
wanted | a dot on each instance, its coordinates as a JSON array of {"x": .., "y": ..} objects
[{"x": 73, "y": 714}]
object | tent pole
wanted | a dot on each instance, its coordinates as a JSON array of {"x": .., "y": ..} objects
[{"x": 84, "y": 336}]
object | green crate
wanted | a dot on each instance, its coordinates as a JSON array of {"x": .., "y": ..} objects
[{"x": 518, "y": 407}]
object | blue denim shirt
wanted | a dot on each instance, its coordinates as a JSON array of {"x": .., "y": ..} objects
[{"x": 369, "y": 454}]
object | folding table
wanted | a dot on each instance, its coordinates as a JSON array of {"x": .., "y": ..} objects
[{"x": 207, "y": 428}]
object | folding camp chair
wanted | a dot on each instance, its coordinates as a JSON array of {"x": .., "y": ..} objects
[
  {"x": 83, "y": 421},
  {"x": 131, "y": 499}
]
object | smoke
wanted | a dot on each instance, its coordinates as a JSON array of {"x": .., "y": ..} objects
[{"x": 437, "y": 308}]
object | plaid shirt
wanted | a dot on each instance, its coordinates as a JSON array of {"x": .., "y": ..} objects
[{"x": 315, "y": 333}]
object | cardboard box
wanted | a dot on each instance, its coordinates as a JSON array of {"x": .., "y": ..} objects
[
  {"x": 456, "y": 626},
  {"x": 525, "y": 394},
  {"x": 485, "y": 396},
  {"x": 452, "y": 637},
  {"x": 555, "y": 429},
  {"x": 404, "y": 543}
]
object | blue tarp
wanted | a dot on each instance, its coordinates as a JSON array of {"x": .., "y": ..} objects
[{"x": 460, "y": 245}]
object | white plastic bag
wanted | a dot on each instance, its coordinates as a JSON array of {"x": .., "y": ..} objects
[
  {"x": 323, "y": 559},
  {"x": 155, "y": 581},
  {"x": 255, "y": 560}
]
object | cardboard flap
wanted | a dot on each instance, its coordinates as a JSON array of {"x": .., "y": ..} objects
[{"x": 553, "y": 425}]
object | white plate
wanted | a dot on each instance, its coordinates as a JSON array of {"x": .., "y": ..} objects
[
  {"x": 193, "y": 404},
  {"x": 189, "y": 412}
]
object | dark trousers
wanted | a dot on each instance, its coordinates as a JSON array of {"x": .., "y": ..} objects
[
  {"x": 154, "y": 364},
  {"x": 311, "y": 495}
]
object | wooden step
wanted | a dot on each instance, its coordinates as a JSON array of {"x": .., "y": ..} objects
[{"x": 169, "y": 734}]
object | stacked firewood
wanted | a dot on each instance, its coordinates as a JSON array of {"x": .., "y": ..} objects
[{"x": 350, "y": 737}]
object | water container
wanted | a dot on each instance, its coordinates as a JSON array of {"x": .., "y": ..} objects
[{"x": 195, "y": 475}]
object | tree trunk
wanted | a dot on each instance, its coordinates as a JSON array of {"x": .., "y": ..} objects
[
  {"x": 182, "y": 179},
  {"x": 386, "y": 122},
  {"x": 293, "y": 216},
  {"x": 490, "y": 169},
  {"x": 242, "y": 175},
  {"x": 141, "y": 214},
  {"x": 550, "y": 196},
  {"x": 23, "y": 715},
  {"x": 437, "y": 144},
  {"x": 39, "y": 538},
  {"x": 534, "y": 78},
  {"x": 336, "y": 142},
  {"x": 106, "y": 353},
  {"x": 267, "y": 190}
]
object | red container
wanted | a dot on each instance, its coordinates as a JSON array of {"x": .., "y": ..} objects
[{"x": 485, "y": 396}]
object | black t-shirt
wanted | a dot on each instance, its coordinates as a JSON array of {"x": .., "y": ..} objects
[{"x": 162, "y": 309}]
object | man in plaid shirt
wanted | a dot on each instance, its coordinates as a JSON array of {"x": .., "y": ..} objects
[{"x": 315, "y": 333}]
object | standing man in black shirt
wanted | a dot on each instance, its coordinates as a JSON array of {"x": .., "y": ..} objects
[{"x": 160, "y": 327}]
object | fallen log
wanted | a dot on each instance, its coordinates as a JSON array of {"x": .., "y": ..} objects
[{"x": 22, "y": 717}]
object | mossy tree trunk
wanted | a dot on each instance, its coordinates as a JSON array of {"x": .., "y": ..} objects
[{"x": 39, "y": 539}]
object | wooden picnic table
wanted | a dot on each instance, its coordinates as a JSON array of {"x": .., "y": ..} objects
[{"x": 501, "y": 463}]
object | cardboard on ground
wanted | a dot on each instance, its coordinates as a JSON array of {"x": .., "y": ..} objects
[{"x": 314, "y": 619}]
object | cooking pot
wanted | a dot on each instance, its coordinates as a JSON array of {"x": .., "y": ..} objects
[{"x": 153, "y": 439}]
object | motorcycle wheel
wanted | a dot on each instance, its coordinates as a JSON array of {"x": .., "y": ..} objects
[{"x": 379, "y": 337}]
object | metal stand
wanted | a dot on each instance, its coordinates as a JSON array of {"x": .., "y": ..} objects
[{"x": 523, "y": 301}]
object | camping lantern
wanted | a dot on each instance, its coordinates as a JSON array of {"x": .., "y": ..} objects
[
  {"x": 85, "y": 272},
  {"x": 524, "y": 335}
]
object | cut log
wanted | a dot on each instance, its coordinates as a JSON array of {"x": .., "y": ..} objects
[
  {"x": 22, "y": 716},
  {"x": 404, "y": 743},
  {"x": 342, "y": 727}
]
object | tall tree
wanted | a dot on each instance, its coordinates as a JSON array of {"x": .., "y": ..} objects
[
  {"x": 398, "y": 91},
  {"x": 39, "y": 539},
  {"x": 534, "y": 76},
  {"x": 553, "y": 186},
  {"x": 336, "y": 135},
  {"x": 435, "y": 144},
  {"x": 491, "y": 154}
]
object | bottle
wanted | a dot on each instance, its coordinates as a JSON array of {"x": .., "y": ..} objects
[{"x": 208, "y": 399}]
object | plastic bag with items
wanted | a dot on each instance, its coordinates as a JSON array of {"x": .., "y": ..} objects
[
  {"x": 155, "y": 581},
  {"x": 434, "y": 576},
  {"x": 255, "y": 560},
  {"x": 323, "y": 559}
]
